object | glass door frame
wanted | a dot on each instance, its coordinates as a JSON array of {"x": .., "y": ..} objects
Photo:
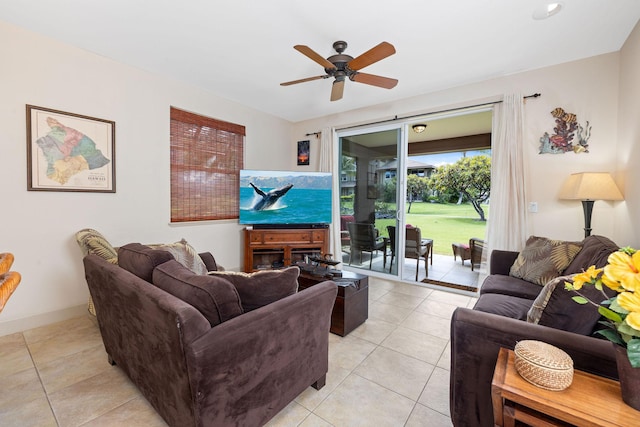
[{"x": 401, "y": 177}]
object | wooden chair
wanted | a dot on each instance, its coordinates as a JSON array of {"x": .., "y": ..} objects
[
  {"x": 415, "y": 247},
  {"x": 344, "y": 231},
  {"x": 476, "y": 247},
  {"x": 363, "y": 238}
]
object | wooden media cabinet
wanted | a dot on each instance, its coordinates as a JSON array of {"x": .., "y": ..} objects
[{"x": 266, "y": 249}]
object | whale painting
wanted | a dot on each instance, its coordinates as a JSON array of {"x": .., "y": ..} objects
[{"x": 285, "y": 197}]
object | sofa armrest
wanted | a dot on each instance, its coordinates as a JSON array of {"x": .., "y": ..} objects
[
  {"x": 476, "y": 338},
  {"x": 142, "y": 329},
  {"x": 501, "y": 261},
  {"x": 255, "y": 364}
]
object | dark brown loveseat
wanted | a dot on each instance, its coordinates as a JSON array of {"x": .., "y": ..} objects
[
  {"x": 499, "y": 319},
  {"x": 240, "y": 372}
]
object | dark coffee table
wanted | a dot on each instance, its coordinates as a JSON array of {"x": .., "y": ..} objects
[{"x": 351, "y": 308}]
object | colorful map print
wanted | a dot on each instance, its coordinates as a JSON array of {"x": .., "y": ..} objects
[{"x": 68, "y": 152}]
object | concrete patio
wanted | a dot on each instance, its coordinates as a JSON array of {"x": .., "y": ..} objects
[{"x": 443, "y": 269}]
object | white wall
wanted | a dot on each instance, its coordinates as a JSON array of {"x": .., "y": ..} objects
[
  {"x": 38, "y": 227},
  {"x": 588, "y": 88},
  {"x": 629, "y": 137}
]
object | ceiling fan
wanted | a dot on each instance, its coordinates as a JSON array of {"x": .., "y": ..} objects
[{"x": 341, "y": 66}]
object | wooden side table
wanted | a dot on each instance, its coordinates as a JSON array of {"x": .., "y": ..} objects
[{"x": 589, "y": 401}]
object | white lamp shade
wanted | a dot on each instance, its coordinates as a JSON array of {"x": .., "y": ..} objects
[{"x": 590, "y": 186}]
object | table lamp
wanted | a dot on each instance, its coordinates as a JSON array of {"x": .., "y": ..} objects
[{"x": 589, "y": 187}]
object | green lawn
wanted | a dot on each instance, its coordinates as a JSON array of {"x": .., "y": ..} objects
[{"x": 444, "y": 223}]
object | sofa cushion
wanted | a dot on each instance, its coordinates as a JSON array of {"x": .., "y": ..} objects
[
  {"x": 543, "y": 259},
  {"x": 185, "y": 254},
  {"x": 141, "y": 260},
  {"x": 555, "y": 308},
  {"x": 262, "y": 287},
  {"x": 504, "y": 305},
  {"x": 507, "y": 285},
  {"x": 595, "y": 251},
  {"x": 215, "y": 297}
]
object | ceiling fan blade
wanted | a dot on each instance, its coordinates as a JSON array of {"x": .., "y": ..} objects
[
  {"x": 374, "y": 54},
  {"x": 372, "y": 79},
  {"x": 310, "y": 53},
  {"x": 337, "y": 90},
  {"x": 308, "y": 79}
]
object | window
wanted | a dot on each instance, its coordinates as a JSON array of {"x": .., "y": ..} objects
[{"x": 206, "y": 158}]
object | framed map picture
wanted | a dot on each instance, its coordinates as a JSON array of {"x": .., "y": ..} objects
[{"x": 69, "y": 152}]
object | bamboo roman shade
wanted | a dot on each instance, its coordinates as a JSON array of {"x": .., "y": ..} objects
[{"x": 206, "y": 158}]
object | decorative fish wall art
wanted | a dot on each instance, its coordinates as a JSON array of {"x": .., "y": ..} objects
[{"x": 566, "y": 129}]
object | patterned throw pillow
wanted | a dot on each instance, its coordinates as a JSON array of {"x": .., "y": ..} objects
[
  {"x": 185, "y": 254},
  {"x": 92, "y": 242},
  {"x": 262, "y": 287},
  {"x": 543, "y": 259}
]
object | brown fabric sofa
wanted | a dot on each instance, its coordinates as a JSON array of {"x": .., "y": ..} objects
[
  {"x": 499, "y": 319},
  {"x": 240, "y": 372}
]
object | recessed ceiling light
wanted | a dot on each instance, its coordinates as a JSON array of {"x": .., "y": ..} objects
[
  {"x": 547, "y": 10},
  {"x": 419, "y": 127}
]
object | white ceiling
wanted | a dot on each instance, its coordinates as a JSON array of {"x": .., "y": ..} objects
[{"x": 242, "y": 49}]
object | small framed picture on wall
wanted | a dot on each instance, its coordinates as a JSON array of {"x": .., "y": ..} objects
[{"x": 303, "y": 153}]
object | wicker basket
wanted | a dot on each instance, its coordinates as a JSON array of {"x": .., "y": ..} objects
[{"x": 543, "y": 365}]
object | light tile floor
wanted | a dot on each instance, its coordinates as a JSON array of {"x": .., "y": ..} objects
[{"x": 391, "y": 371}]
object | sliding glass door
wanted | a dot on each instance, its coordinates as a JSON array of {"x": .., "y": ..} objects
[
  {"x": 372, "y": 180},
  {"x": 385, "y": 187}
]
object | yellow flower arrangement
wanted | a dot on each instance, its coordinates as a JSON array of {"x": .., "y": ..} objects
[{"x": 621, "y": 274}]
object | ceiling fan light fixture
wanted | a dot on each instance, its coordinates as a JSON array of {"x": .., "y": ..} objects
[
  {"x": 419, "y": 127},
  {"x": 547, "y": 10},
  {"x": 342, "y": 66}
]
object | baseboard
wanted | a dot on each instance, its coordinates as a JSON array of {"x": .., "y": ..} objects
[{"x": 26, "y": 323}]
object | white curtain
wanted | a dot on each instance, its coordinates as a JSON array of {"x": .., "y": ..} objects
[
  {"x": 326, "y": 150},
  {"x": 507, "y": 228},
  {"x": 329, "y": 162}
]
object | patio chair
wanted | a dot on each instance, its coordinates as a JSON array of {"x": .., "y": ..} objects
[
  {"x": 476, "y": 247},
  {"x": 415, "y": 247},
  {"x": 363, "y": 237},
  {"x": 344, "y": 232}
]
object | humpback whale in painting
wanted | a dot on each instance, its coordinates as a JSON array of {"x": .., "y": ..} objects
[{"x": 270, "y": 198}]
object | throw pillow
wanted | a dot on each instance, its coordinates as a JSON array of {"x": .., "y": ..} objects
[
  {"x": 185, "y": 254},
  {"x": 141, "y": 260},
  {"x": 262, "y": 287},
  {"x": 92, "y": 242},
  {"x": 554, "y": 307},
  {"x": 542, "y": 300},
  {"x": 215, "y": 297},
  {"x": 543, "y": 259},
  {"x": 595, "y": 251}
]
